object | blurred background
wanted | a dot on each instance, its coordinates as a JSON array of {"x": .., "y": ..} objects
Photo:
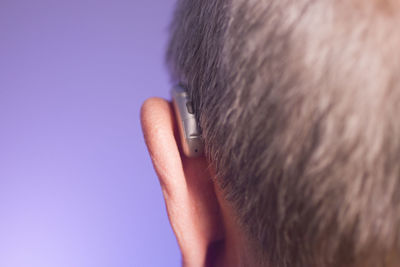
[{"x": 77, "y": 188}]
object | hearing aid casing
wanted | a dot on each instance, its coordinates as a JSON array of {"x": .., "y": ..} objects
[{"x": 189, "y": 130}]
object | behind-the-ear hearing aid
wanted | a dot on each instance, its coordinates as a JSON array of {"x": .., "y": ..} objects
[{"x": 189, "y": 130}]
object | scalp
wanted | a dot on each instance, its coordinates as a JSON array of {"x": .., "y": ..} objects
[{"x": 297, "y": 101}]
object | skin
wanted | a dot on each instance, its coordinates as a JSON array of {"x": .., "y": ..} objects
[{"x": 201, "y": 218}]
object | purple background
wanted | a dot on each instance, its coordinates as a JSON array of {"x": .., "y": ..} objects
[{"x": 76, "y": 184}]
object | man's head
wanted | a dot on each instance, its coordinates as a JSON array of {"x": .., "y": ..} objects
[{"x": 297, "y": 102}]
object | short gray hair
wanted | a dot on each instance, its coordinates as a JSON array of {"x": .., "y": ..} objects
[{"x": 298, "y": 102}]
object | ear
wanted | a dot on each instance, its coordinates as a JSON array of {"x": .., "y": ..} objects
[{"x": 186, "y": 183}]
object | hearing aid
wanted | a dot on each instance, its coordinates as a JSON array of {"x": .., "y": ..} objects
[{"x": 189, "y": 130}]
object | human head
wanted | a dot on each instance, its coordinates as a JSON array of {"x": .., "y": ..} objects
[{"x": 297, "y": 101}]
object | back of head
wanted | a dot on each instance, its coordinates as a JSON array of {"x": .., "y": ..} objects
[{"x": 298, "y": 104}]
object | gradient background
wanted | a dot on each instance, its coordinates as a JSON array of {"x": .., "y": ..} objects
[{"x": 76, "y": 184}]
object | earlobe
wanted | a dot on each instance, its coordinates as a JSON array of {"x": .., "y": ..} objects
[{"x": 186, "y": 183}]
